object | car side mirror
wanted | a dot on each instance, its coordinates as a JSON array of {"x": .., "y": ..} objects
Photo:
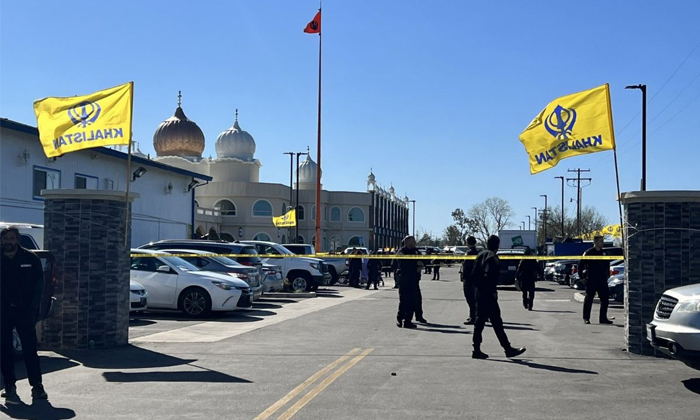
[{"x": 164, "y": 269}]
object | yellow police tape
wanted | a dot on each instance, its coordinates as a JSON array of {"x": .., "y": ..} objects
[{"x": 390, "y": 256}]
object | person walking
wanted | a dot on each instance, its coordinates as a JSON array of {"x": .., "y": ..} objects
[
  {"x": 374, "y": 266},
  {"x": 526, "y": 276},
  {"x": 467, "y": 283},
  {"x": 22, "y": 285},
  {"x": 355, "y": 269},
  {"x": 485, "y": 277},
  {"x": 595, "y": 274},
  {"x": 408, "y": 273}
]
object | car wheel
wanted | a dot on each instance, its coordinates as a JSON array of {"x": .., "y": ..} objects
[
  {"x": 301, "y": 283},
  {"x": 195, "y": 302}
]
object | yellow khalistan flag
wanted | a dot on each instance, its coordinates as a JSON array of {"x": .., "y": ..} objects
[
  {"x": 287, "y": 220},
  {"x": 80, "y": 122},
  {"x": 570, "y": 126}
]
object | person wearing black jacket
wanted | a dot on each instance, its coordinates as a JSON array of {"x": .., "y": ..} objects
[
  {"x": 467, "y": 284},
  {"x": 527, "y": 273},
  {"x": 22, "y": 286},
  {"x": 485, "y": 277},
  {"x": 595, "y": 274},
  {"x": 408, "y": 274},
  {"x": 355, "y": 269},
  {"x": 374, "y": 266}
]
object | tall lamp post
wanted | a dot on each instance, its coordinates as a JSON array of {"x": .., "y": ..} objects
[
  {"x": 643, "y": 88},
  {"x": 562, "y": 204},
  {"x": 528, "y": 222},
  {"x": 414, "y": 216},
  {"x": 544, "y": 218},
  {"x": 296, "y": 205},
  {"x": 523, "y": 226},
  {"x": 536, "y": 224}
]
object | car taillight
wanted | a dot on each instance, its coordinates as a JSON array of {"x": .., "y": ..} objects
[
  {"x": 614, "y": 272},
  {"x": 249, "y": 264}
]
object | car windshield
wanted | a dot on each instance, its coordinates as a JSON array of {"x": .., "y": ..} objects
[
  {"x": 181, "y": 264},
  {"x": 225, "y": 260}
]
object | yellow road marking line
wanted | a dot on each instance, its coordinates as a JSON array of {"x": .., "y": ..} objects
[
  {"x": 296, "y": 391},
  {"x": 323, "y": 385}
]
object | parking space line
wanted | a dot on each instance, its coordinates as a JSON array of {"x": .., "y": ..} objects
[
  {"x": 323, "y": 385},
  {"x": 296, "y": 391}
]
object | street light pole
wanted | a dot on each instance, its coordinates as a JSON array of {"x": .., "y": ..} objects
[
  {"x": 544, "y": 218},
  {"x": 414, "y": 217},
  {"x": 536, "y": 224},
  {"x": 523, "y": 227},
  {"x": 643, "y": 88},
  {"x": 296, "y": 206},
  {"x": 291, "y": 187},
  {"x": 562, "y": 204},
  {"x": 528, "y": 222}
]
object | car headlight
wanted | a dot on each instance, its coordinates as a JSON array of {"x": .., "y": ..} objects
[
  {"x": 690, "y": 306},
  {"x": 314, "y": 266},
  {"x": 615, "y": 282},
  {"x": 222, "y": 285}
]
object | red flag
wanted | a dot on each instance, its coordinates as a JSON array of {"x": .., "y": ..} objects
[{"x": 314, "y": 27}]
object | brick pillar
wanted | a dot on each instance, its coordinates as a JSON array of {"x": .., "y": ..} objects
[
  {"x": 663, "y": 252},
  {"x": 84, "y": 229}
]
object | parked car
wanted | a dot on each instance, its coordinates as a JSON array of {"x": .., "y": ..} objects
[
  {"x": 46, "y": 306},
  {"x": 508, "y": 267},
  {"x": 563, "y": 271},
  {"x": 173, "y": 283},
  {"x": 303, "y": 273},
  {"x": 675, "y": 329},
  {"x": 616, "y": 287},
  {"x": 617, "y": 269},
  {"x": 336, "y": 264},
  {"x": 138, "y": 297},
  {"x": 205, "y": 261},
  {"x": 31, "y": 236},
  {"x": 549, "y": 270},
  {"x": 351, "y": 250}
]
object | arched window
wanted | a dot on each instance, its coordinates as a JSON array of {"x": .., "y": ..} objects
[
  {"x": 226, "y": 207},
  {"x": 284, "y": 239},
  {"x": 356, "y": 215},
  {"x": 313, "y": 212},
  {"x": 335, "y": 214},
  {"x": 262, "y": 236},
  {"x": 262, "y": 208},
  {"x": 199, "y": 232},
  {"x": 356, "y": 241},
  {"x": 300, "y": 240},
  {"x": 226, "y": 237},
  {"x": 300, "y": 213}
]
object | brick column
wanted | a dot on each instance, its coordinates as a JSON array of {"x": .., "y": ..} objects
[
  {"x": 84, "y": 229},
  {"x": 663, "y": 252}
]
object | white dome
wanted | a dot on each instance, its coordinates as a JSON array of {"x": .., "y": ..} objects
[
  {"x": 391, "y": 190},
  {"x": 235, "y": 143},
  {"x": 307, "y": 171},
  {"x": 371, "y": 177}
]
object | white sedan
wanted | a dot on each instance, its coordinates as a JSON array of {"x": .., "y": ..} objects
[
  {"x": 139, "y": 297},
  {"x": 173, "y": 283}
]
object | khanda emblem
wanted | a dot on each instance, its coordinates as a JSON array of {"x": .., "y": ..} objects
[
  {"x": 560, "y": 122},
  {"x": 85, "y": 113}
]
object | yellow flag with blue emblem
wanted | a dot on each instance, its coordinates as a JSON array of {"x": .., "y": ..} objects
[
  {"x": 81, "y": 122},
  {"x": 287, "y": 220},
  {"x": 569, "y": 126}
]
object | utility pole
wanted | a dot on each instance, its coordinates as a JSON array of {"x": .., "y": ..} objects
[
  {"x": 563, "y": 235},
  {"x": 579, "y": 207}
]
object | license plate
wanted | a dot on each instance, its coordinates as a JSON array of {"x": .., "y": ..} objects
[
  {"x": 651, "y": 332},
  {"x": 512, "y": 268}
]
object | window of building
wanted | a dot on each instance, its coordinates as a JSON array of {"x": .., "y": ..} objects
[
  {"x": 335, "y": 214},
  {"x": 262, "y": 208},
  {"x": 313, "y": 212},
  {"x": 356, "y": 215},
  {"x": 300, "y": 240},
  {"x": 86, "y": 182},
  {"x": 300, "y": 213},
  {"x": 45, "y": 179},
  {"x": 226, "y": 207},
  {"x": 262, "y": 236}
]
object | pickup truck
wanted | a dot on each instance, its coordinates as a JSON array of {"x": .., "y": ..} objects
[
  {"x": 303, "y": 274},
  {"x": 336, "y": 265}
]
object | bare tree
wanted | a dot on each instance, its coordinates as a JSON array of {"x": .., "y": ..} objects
[
  {"x": 591, "y": 221},
  {"x": 489, "y": 217},
  {"x": 463, "y": 224}
]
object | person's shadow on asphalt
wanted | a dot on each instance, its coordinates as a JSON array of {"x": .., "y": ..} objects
[
  {"x": 551, "y": 368},
  {"x": 38, "y": 410}
]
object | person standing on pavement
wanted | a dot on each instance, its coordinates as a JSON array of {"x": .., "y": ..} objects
[
  {"x": 374, "y": 266},
  {"x": 22, "y": 286},
  {"x": 527, "y": 273},
  {"x": 436, "y": 268},
  {"x": 595, "y": 274},
  {"x": 355, "y": 268},
  {"x": 485, "y": 277},
  {"x": 407, "y": 274},
  {"x": 467, "y": 283}
]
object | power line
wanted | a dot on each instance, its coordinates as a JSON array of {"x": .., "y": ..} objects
[{"x": 674, "y": 73}]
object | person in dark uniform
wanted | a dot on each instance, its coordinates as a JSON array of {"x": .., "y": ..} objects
[
  {"x": 467, "y": 283},
  {"x": 436, "y": 268},
  {"x": 408, "y": 273},
  {"x": 374, "y": 266},
  {"x": 355, "y": 269},
  {"x": 22, "y": 285},
  {"x": 528, "y": 271},
  {"x": 485, "y": 278},
  {"x": 595, "y": 274}
]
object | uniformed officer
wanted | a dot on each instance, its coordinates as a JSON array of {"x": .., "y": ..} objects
[
  {"x": 595, "y": 274},
  {"x": 485, "y": 277},
  {"x": 22, "y": 285},
  {"x": 408, "y": 273},
  {"x": 467, "y": 284}
]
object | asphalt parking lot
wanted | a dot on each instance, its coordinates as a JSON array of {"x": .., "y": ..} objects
[{"x": 340, "y": 356}]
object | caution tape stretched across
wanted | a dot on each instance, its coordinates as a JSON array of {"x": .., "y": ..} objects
[{"x": 392, "y": 257}]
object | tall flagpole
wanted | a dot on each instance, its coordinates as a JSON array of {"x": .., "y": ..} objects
[
  {"x": 617, "y": 169},
  {"x": 128, "y": 169},
  {"x": 318, "y": 151}
]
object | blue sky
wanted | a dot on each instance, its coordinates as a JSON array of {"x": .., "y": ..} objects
[{"x": 431, "y": 95}]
